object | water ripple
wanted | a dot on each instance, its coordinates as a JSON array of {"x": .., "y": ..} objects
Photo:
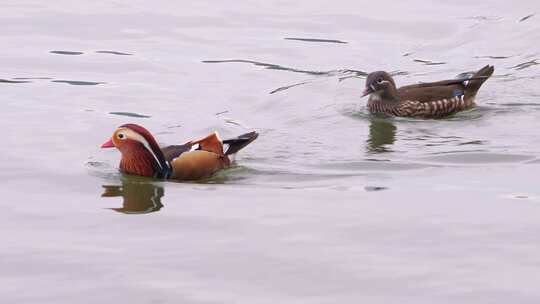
[
  {"x": 78, "y": 82},
  {"x": 526, "y": 17},
  {"x": 316, "y": 40},
  {"x": 66, "y": 52},
  {"x": 114, "y": 53},
  {"x": 13, "y": 81},
  {"x": 525, "y": 65},
  {"x": 130, "y": 114},
  {"x": 428, "y": 62},
  {"x": 271, "y": 66}
]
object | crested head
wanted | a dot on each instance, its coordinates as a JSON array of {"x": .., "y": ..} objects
[
  {"x": 380, "y": 83},
  {"x": 141, "y": 154}
]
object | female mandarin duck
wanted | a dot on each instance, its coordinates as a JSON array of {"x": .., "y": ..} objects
[
  {"x": 196, "y": 159},
  {"x": 425, "y": 100}
]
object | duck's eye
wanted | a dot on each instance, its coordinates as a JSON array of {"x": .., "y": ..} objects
[
  {"x": 121, "y": 136},
  {"x": 380, "y": 80}
]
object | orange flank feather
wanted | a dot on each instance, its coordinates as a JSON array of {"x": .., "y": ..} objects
[
  {"x": 198, "y": 164},
  {"x": 211, "y": 143}
]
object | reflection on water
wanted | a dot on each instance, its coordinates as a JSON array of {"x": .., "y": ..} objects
[
  {"x": 140, "y": 196},
  {"x": 382, "y": 134}
]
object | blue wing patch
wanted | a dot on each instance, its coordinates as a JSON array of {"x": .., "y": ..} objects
[{"x": 458, "y": 93}]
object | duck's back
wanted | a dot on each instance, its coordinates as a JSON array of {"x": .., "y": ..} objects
[
  {"x": 446, "y": 97},
  {"x": 428, "y": 92},
  {"x": 436, "y": 99}
]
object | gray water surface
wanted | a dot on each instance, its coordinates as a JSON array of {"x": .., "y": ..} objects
[{"x": 329, "y": 205}]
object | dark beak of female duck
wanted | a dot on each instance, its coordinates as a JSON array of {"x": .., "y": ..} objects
[
  {"x": 367, "y": 91},
  {"x": 108, "y": 144}
]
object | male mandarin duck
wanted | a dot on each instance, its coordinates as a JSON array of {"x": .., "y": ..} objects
[
  {"x": 194, "y": 160},
  {"x": 424, "y": 100}
]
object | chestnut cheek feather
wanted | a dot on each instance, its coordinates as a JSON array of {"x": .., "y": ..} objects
[
  {"x": 139, "y": 167},
  {"x": 137, "y": 161}
]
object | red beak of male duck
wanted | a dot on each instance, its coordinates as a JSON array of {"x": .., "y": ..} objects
[{"x": 108, "y": 144}]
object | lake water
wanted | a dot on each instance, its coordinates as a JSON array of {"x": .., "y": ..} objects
[{"x": 329, "y": 205}]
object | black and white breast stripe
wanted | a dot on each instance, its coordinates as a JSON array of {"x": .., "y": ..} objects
[
  {"x": 381, "y": 107},
  {"x": 446, "y": 105},
  {"x": 407, "y": 108},
  {"x": 416, "y": 108}
]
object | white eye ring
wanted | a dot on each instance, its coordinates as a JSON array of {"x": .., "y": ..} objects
[
  {"x": 380, "y": 80},
  {"x": 121, "y": 136}
]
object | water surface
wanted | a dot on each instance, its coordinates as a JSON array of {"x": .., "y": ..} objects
[{"x": 329, "y": 205}]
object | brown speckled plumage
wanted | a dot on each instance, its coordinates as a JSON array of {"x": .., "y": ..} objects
[
  {"x": 412, "y": 108},
  {"x": 425, "y": 100}
]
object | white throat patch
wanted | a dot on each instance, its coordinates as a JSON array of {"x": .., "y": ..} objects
[{"x": 376, "y": 96}]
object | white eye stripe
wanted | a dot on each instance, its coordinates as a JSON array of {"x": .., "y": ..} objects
[{"x": 138, "y": 137}]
